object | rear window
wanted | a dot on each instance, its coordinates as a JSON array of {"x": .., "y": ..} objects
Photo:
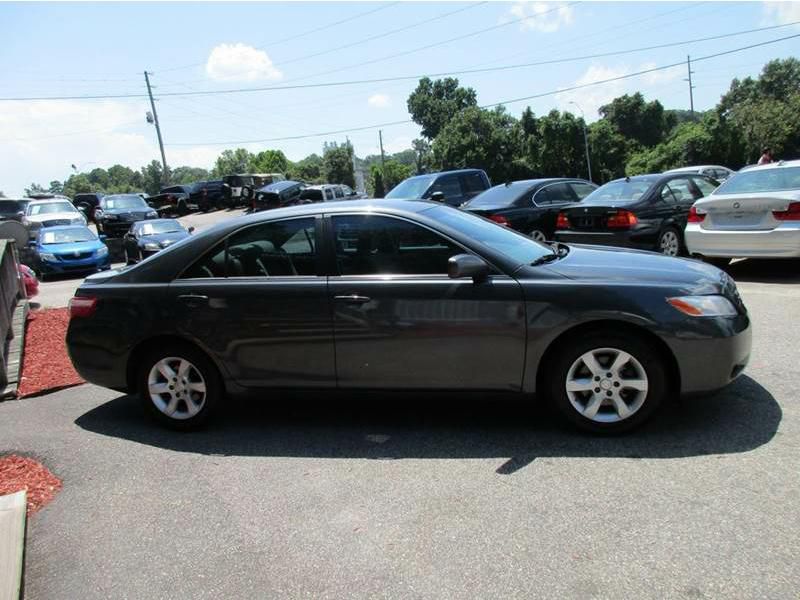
[
  {"x": 621, "y": 191},
  {"x": 762, "y": 180},
  {"x": 9, "y": 206},
  {"x": 499, "y": 196},
  {"x": 311, "y": 195}
]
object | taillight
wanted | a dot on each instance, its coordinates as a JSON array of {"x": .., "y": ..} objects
[
  {"x": 622, "y": 219},
  {"x": 562, "y": 222},
  {"x": 82, "y": 306},
  {"x": 500, "y": 219},
  {"x": 694, "y": 216},
  {"x": 792, "y": 213}
]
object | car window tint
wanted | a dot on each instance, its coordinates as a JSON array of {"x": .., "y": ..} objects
[
  {"x": 472, "y": 183},
  {"x": 557, "y": 193},
  {"x": 328, "y": 194},
  {"x": 705, "y": 186},
  {"x": 376, "y": 245},
  {"x": 275, "y": 249},
  {"x": 448, "y": 185},
  {"x": 582, "y": 189},
  {"x": 681, "y": 189},
  {"x": 338, "y": 191}
]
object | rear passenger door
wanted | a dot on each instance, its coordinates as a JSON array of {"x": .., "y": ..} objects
[
  {"x": 259, "y": 304},
  {"x": 678, "y": 196}
]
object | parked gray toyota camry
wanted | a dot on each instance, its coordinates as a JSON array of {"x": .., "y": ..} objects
[{"x": 406, "y": 296}]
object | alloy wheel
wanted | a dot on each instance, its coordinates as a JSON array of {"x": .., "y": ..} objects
[
  {"x": 538, "y": 236},
  {"x": 669, "y": 243},
  {"x": 176, "y": 387},
  {"x": 606, "y": 385}
]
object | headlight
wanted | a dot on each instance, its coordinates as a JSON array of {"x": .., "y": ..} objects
[
  {"x": 152, "y": 246},
  {"x": 47, "y": 256},
  {"x": 109, "y": 217},
  {"x": 151, "y": 215},
  {"x": 703, "y": 306},
  {"x": 102, "y": 251}
]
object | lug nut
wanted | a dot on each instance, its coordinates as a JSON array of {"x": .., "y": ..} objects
[{"x": 608, "y": 393}]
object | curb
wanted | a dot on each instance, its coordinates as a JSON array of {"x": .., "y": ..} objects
[
  {"x": 12, "y": 544},
  {"x": 16, "y": 349}
]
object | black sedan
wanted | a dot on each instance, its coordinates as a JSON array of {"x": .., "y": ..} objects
[
  {"x": 407, "y": 296},
  {"x": 146, "y": 238},
  {"x": 529, "y": 206},
  {"x": 115, "y": 213},
  {"x": 647, "y": 212}
]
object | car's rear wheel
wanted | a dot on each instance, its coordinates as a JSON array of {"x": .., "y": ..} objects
[
  {"x": 669, "y": 242},
  {"x": 538, "y": 235},
  {"x": 607, "y": 383},
  {"x": 179, "y": 386}
]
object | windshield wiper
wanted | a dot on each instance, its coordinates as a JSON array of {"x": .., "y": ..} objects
[{"x": 545, "y": 259}]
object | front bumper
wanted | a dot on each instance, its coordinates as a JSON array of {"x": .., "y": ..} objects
[
  {"x": 620, "y": 239},
  {"x": 92, "y": 263},
  {"x": 781, "y": 242}
]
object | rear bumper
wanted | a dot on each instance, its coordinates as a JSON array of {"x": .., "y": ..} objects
[
  {"x": 709, "y": 362},
  {"x": 621, "y": 239},
  {"x": 781, "y": 242}
]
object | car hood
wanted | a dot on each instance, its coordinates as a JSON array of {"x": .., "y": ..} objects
[
  {"x": 163, "y": 239},
  {"x": 71, "y": 247},
  {"x": 618, "y": 265},
  {"x": 53, "y": 216}
]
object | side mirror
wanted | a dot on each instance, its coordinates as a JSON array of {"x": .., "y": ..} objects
[
  {"x": 467, "y": 265},
  {"x": 437, "y": 196},
  {"x": 191, "y": 230}
]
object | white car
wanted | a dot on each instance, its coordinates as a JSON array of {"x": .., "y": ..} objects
[
  {"x": 49, "y": 213},
  {"x": 714, "y": 171},
  {"x": 754, "y": 214}
]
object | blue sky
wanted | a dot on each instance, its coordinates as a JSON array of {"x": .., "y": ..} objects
[{"x": 78, "y": 49}]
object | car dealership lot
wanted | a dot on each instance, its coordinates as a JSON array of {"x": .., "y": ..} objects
[{"x": 397, "y": 496}]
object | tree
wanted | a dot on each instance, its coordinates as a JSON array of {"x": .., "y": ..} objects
[
  {"x": 337, "y": 163},
  {"x": 609, "y": 151},
  {"x": 152, "y": 176},
  {"x": 270, "y": 161},
  {"x": 434, "y": 103},
  {"x": 56, "y": 187},
  {"x": 423, "y": 157},
  {"x": 382, "y": 178},
  {"x": 643, "y": 122},
  {"x": 375, "y": 183},
  {"x": 34, "y": 188},
  {"x": 182, "y": 175},
  {"x": 308, "y": 169},
  {"x": 231, "y": 162},
  {"x": 689, "y": 144},
  {"x": 479, "y": 138}
]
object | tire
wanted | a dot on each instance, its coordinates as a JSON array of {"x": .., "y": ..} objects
[
  {"x": 669, "y": 242},
  {"x": 614, "y": 411},
  {"x": 172, "y": 407},
  {"x": 183, "y": 210},
  {"x": 537, "y": 235},
  {"x": 719, "y": 262}
]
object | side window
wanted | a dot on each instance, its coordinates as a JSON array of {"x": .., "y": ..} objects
[
  {"x": 582, "y": 189},
  {"x": 276, "y": 249},
  {"x": 666, "y": 194},
  {"x": 338, "y": 191},
  {"x": 557, "y": 193},
  {"x": 328, "y": 194},
  {"x": 472, "y": 184},
  {"x": 704, "y": 185},
  {"x": 448, "y": 185},
  {"x": 682, "y": 190},
  {"x": 376, "y": 245}
]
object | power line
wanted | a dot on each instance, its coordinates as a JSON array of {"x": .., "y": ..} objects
[
  {"x": 410, "y": 77},
  {"x": 502, "y": 102}
]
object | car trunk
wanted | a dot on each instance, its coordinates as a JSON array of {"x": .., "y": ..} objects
[
  {"x": 744, "y": 213},
  {"x": 591, "y": 218}
]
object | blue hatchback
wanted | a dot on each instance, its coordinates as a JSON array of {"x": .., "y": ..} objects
[{"x": 71, "y": 249}]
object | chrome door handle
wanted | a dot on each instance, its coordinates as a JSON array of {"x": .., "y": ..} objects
[
  {"x": 352, "y": 299},
  {"x": 193, "y": 300}
]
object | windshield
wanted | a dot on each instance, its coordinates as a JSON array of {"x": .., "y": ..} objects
[
  {"x": 50, "y": 208},
  {"x": 413, "y": 187},
  {"x": 621, "y": 191},
  {"x": 762, "y": 180},
  {"x": 516, "y": 246},
  {"x": 66, "y": 236},
  {"x": 160, "y": 227},
  {"x": 112, "y": 202},
  {"x": 498, "y": 196}
]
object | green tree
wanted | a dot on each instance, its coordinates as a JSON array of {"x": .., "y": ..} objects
[
  {"x": 423, "y": 156},
  {"x": 231, "y": 162},
  {"x": 270, "y": 161},
  {"x": 643, "y": 122},
  {"x": 308, "y": 169},
  {"x": 183, "y": 175},
  {"x": 560, "y": 146},
  {"x": 375, "y": 185},
  {"x": 689, "y": 144},
  {"x": 35, "y": 188},
  {"x": 152, "y": 177},
  {"x": 78, "y": 184},
  {"x": 609, "y": 151},
  {"x": 337, "y": 164},
  {"x": 56, "y": 187},
  {"x": 434, "y": 103}
]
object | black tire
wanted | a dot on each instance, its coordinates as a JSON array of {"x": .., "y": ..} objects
[
  {"x": 183, "y": 210},
  {"x": 559, "y": 367},
  {"x": 203, "y": 367},
  {"x": 670, "y": 233},
  {"x": 720, "y": 263}
]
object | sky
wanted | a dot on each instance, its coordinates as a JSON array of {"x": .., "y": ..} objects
[{"x": 94, "y": 49}]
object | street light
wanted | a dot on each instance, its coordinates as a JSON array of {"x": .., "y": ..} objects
[{"x": 585, "y": 139}]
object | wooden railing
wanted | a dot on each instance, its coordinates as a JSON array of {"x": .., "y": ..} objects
[{"x": 10, "y": 292}]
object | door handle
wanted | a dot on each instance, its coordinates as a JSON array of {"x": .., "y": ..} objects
[
  {"x": 193, "y": 300},
  {"x": 352, "y": 299}
]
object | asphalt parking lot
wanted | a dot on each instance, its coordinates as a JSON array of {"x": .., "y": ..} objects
[{"x": 387, "y": 495}]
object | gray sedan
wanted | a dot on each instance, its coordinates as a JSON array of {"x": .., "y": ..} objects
[
  {"x": 406, "y": 296},
  {"x": 755, "y": 214}
]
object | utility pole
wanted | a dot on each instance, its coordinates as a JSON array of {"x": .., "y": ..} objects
[
  {"x": 165, "y": 175},
  {"x": 689, "y": 79},
  {"x": 585, "y": 140},
  {"x": 383, "y": 159}
]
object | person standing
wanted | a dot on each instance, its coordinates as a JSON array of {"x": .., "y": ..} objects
[{"x": 766, "y": 156}]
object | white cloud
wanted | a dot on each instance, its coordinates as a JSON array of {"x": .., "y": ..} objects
[
  {"x": 663, "y": 76},
  {"x": 781, "y": 12},
  {"x": 546, "y": 17},
  {"x": 590, "y": 99},
  {"x": 379, "y": 100},
  {"x": 397, "y": 144},
  {"x": 239, "y": 62}
]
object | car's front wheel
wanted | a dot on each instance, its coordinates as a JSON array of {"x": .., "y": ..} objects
[
  {"x": 179, "y": 386},
  {"x": 607, "y": 383}
]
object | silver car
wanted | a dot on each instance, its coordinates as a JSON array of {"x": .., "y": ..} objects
[
  {"x": 49, "y": 213},
  {"x": 755, "y": 214}
]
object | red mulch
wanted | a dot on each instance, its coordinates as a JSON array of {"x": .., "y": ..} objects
[
  {"x": 46, "y": 365},
  {"x": 18, "y": 473}
]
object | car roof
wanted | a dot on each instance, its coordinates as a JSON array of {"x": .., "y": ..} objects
[
  {"x": 532, "y": 182},
  {"x": 775, "y": 165},
  {"x": 695, "y": 168}
]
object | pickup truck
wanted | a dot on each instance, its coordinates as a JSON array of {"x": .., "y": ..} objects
[{"x": 174, "y": 200}]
